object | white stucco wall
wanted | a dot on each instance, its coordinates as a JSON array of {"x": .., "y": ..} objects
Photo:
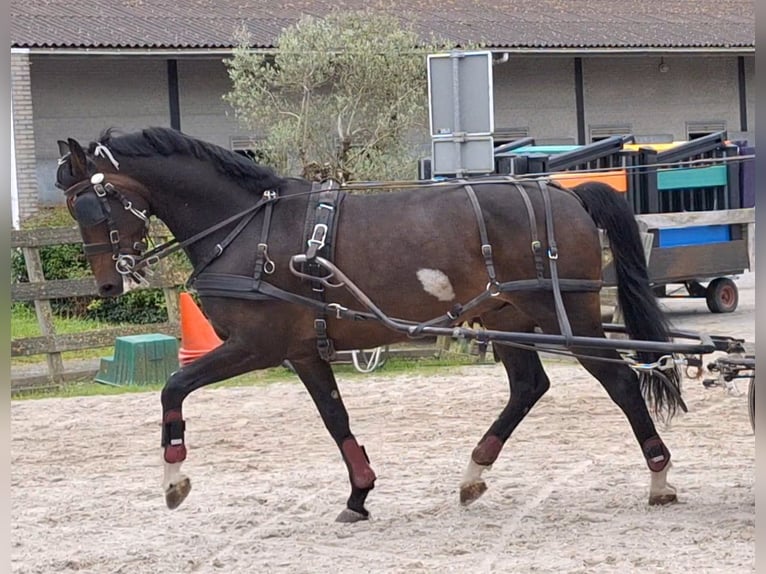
[{"x": 80, "y": 96}]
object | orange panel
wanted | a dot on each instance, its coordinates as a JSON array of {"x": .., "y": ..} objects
[{"x": 618, "y": 179}]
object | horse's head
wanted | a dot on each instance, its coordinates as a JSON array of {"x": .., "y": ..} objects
[{"x": 112, "y": 212}]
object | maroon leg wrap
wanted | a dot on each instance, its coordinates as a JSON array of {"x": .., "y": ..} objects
[
  {"x": 656, "y": 453},
  {"x": 173, "y": 436},
  {"x": 362, "y": 476},
  {"x": 487, "y": 451}
]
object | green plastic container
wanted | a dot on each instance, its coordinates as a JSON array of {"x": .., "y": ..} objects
[{"x": 140, "y": 360}]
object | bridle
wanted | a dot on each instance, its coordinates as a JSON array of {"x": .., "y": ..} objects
[
  {"x": 90, "y": 203},
  {"x": 133, "y": 260}
]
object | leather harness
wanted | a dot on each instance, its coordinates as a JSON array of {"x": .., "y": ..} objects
[{"x": 320, "y": 231}]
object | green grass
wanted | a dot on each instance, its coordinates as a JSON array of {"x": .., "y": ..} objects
[
  {"x": 392, "y": 367},
  {"x": 24, "y": 325}
]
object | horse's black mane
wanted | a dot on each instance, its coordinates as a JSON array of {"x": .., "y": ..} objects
[{"x": 167, "y": 141}]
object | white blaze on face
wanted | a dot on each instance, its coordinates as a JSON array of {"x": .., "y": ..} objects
[{"x": 436, "y": 283}]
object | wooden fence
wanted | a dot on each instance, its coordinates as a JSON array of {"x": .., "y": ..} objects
[
  {"x": 41, "y": 291},
  {"x": 52, "y": 344}
]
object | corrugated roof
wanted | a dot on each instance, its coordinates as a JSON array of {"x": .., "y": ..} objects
[{"x": 585, "y": 24}]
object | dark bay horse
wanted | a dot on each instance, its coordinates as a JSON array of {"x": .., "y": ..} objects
[{"x": 515, "y": 254}]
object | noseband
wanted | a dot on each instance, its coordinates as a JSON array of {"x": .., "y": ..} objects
[{"x": 94, "y": 207}]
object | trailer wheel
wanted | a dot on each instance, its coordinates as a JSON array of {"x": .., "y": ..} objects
[
  {"x": 751, "y": 402},
  {"x": 722, "y": 295}
]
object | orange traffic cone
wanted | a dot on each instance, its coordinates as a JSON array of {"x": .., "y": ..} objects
[{"x": 197, "y": 334}]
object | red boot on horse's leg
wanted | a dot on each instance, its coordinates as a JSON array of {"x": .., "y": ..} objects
[
  {"x": 223, "y": 362},
  {"x": 319, "y": 380},
  {"x": 362, "y": 481},
  {"x": 528, "y": 382},
  {"x": 177, "y": 485},
  {"x": 658, "y": 459}
]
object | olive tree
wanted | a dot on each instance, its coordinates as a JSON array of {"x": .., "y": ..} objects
[{"x": 343, "y": 96}]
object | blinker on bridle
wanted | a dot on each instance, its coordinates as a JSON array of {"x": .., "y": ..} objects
[{"x": 89, "y": 204}]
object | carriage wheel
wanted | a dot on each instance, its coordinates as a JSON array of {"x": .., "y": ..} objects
[
  {"x": 751, "y": 401},
  {"x": 722, "y": 295}
]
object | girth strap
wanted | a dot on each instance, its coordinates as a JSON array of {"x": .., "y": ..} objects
[
  {"x": 537, "y": 247},
  {"x": 486, "y": 247},
  {"x": 262, "y": 262},
  {"x": 321, "y": 216},
  {"x": 553, "y": 255}
]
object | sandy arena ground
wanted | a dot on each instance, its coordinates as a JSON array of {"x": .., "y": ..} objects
[{"x": 568, "y": 493}]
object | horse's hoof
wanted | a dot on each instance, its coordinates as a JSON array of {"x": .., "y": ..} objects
[
  {"x": 177, "y": 493},
  {"x": 472, "y": 491},
  {"x": 348, "y": 516},
  {"x": 662, "y": 499}
]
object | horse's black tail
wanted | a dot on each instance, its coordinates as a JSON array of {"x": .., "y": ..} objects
[{"x": 644, "y": 320}]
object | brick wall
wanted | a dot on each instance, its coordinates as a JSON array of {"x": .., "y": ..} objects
[{"x": 24, "y": 135}]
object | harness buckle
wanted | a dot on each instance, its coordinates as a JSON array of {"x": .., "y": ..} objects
[
  {"x": 486, "y": 250},
  {"x": 269, "y": 195},
  {"x": 338, "y": 309},
  {"x": 99, "y": 189},
  {"x": 493, "y": 288},
  {"x": 114, "y": 237},
  {"x": 318, "y": 236},
  {"x": 536, "y": 245},
  {"x": 553, "y": 253},
  {"x": 268, "y": 265}
]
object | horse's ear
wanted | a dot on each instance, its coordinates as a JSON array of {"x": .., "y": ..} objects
[
  {"x": 78, "y": 161},
  {"x": 63, "y": 148}
]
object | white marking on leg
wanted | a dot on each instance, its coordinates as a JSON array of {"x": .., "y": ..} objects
[
  {"x": 659, "y": 484},
  {"x": 172, "y": 473},
  {"x": 473, "y": 472},
  {"x": 436, "y": 283}
]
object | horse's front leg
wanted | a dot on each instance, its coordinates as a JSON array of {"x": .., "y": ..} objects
[
  {"x": 226, "y": 361},
  {"x": 319, "y": 380}
]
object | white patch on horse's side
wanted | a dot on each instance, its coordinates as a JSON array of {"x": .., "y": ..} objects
[
  {"x": 659, "y": 485},
  {"x": 436, "y": 283},
  {"x": 172, "y": 474}
]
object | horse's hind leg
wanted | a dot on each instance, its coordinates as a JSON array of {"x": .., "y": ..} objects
[
  {"x": 528, "y": 382},
  {"x": 319, "y": 380},
  {"x": 621, "y": 383}
]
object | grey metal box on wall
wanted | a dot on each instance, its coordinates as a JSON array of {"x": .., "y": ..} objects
[{"x": 461, "y": 113}]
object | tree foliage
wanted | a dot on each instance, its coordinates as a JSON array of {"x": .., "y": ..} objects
[{"x": 345, "y": 96}]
